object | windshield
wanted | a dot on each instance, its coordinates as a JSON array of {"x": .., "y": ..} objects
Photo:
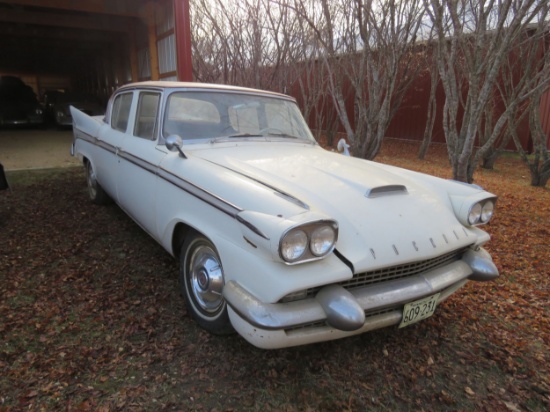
[{"x": 215, "y": 115}]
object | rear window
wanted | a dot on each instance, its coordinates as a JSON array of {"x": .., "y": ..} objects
[
  {"x": 146, "y": 115},
  {"x": 121, "y": 111}
]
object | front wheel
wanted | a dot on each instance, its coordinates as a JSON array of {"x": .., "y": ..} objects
[{"x": 202, "y": 281}]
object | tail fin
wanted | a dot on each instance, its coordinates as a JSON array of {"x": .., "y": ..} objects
[{"x": 84, "y": 123}]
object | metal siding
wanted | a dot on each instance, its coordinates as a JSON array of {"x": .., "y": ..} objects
[{"x": 410, "y": 120}]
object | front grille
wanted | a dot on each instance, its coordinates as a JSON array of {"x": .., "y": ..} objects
[{"x": 386, "y": 274}]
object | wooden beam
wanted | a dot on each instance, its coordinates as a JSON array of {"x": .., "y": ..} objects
[
  {"x": 86, "y": 22},
  {"x": 118, "y": 8},
  {"x": 23, "y": 32}
]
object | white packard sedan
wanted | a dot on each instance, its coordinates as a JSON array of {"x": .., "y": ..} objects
[{"x": 277, "y": 238}]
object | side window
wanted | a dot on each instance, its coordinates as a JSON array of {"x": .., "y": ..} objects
[
  {"x": 146, "y": 115},
  {"x": 121, "y": 111}
]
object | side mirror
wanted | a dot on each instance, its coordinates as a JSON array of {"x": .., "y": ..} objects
[
  {"x": 174, "y": 143},
  {"x": 343, "y": 147}
]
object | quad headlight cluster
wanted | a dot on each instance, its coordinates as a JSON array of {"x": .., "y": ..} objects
[
  {"x": 308, "y": 242},
  {"x": 481, "y": 212}
]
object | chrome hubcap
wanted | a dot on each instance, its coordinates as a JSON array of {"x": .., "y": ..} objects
[{"x": 206, "y": 278}]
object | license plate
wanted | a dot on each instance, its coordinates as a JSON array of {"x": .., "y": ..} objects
[{"x": 418, "y": 310}]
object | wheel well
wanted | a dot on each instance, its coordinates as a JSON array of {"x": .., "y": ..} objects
[{"x": 181, "y": 231}]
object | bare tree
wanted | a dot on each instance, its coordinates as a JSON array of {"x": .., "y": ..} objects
[
  {"x": 431, "y": 67},
  {"x": 262, "y": 44},
  {"x": 525, "y": 78},
  {"x": 230, "y": 41},
  {"x": 473, "y": 40},
  {"x": 302, "y": 72},
  {"x": 367, "y": 49}
]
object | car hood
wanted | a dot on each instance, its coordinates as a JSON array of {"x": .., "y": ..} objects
[{"x": 384, "y": 214}]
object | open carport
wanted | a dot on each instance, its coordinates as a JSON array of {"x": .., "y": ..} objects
[
  {"x": 87, "y": 47},
  {"x": 94, "y": 45},
  {"x": 35, "y": 149}
]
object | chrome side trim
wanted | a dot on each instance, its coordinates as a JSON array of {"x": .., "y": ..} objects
[
  {"x": 278, "y": 192},
  {"x": 213, "y": 200},
  {"x": 149, "y": 167},
  {"x": 251, "y": 227},
  {"x": 202, "y": 194},
  {"x": 95, "y": 141}
]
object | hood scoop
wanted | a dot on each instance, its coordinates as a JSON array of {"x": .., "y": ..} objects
[{"x": 386, "y": 190}]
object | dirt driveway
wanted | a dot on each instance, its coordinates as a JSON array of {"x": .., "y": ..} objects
[{"x": 36, "y": 149}]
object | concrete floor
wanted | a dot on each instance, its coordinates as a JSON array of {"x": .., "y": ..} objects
[{"x": 35, "y": 148}]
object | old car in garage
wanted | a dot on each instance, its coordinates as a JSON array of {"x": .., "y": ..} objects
[
  {"x": 57, "y": 106},
  {"x": 18, "y": 104},
  {"x": 277, "y": 238}
]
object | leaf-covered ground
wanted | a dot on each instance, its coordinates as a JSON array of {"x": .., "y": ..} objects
[{"x": 91, "y": 319}]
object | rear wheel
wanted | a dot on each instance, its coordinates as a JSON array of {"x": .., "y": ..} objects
[
  {"x": 202, "y": 281},
  {"x": 95, "y": 191}
]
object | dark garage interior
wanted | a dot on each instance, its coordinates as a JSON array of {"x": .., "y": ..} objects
[
  {"x": 57, "y": 52},
  {"x": 90, "y": 46}
]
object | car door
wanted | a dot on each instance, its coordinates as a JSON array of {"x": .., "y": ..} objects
[
  {"x": 139, "y": 157},
  {"x": 110, "y": 137}
]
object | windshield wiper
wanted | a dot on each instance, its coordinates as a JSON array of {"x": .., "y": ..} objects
[
  {"x": 246, "y": 135},
  {"x": 265, "y": 135},
  {"x": 285, "y": 135}
]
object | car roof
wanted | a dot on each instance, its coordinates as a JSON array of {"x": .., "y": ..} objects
[{"x": 200, "y": 86}]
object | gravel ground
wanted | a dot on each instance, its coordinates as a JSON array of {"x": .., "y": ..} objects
[{"x": 36, "y": 149}]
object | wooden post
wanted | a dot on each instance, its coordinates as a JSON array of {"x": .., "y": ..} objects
[
  {"x": 133, "y": 55},
  {"x": 153, "y": 51}
]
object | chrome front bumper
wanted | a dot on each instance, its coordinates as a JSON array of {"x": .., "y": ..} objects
[{"x": 345, "y": 310}]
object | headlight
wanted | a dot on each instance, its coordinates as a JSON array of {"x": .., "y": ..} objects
[
  {"x": 307, "y": 242},
  {"x": 475, "y": 214},
  {"x": 293, "y": 245},
  {"x": 322, "y": 240},
  {"x": 487, "y": 211},
  {"x": 474, "y": 209},
  {"x": 38, "y": 111},
  {"x": 481, "y": 212},
  {"x": 60, "y": 113}
]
